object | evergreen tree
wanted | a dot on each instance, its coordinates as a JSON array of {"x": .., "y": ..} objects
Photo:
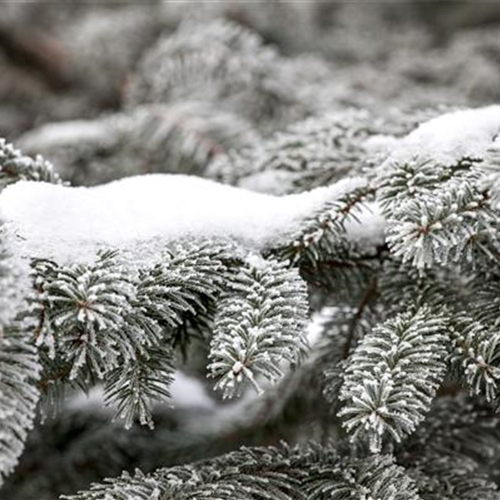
[{"x": 289, "y": 290}]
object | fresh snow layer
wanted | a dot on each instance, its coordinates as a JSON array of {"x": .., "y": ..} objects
[
  {"x": 455, "y": 135},
  {"x": 71, "y": 223}
]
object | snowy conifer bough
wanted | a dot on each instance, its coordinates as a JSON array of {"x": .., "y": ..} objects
[
  {"x": 405, "y": 252},
  {"x": 334, "y": 274}
]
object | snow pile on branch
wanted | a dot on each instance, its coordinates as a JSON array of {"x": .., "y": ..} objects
[
  {"x": 72, "y": 223},
  {"x": 449, "y": 137}
]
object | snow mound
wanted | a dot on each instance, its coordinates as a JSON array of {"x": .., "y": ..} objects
[
  {"x": 449, "y": 137},
  {"x": 72, "y": 223}
]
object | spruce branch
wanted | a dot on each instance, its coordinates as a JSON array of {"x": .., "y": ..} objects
[
  {"x": 457, "y": 425},
  {"x": 315, "y": 152},
  {"x": 436, "y": 212},
  {"x": 107, "y": 320},
  {"x": 366, "y": 299},
  {"x": 323, "y": 234},
  {"x": 442, "y": 477},
  {"x": 236, "y": 68},
  {"x": 392, "y": 377},
  {"x": 476, "y": 357},
  {"x": 259, "y": 326},
  {"x": 19, "y": 371},
  {"x": 189, "y": 277},
  {"x": 14, "y": 166},
  {"x": 285, "y": 473},
  {"x": 181, "y": 137},
  {"x": 403, "y": 287},
  {"x": 85, "y": 308},
  {"x": 133, "y": 387},
  {"x": 344, "y": 328}
]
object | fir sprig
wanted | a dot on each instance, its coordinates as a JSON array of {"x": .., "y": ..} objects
[{"x": 392, "y": 377}]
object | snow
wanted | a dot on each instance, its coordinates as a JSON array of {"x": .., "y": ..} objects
[
  {"x": 316, "y": 326},
  {"x": 69, "y": 133},
  {"x": 466, "y": 133},
  {"x": 256, "y": 261},
  {"x": 186, "y": 392},
  {"x": 71, "y": 223},
  {"x": 189, "y": 392},
  {"x": 381, "y": 144},
  {"x": 367, "y": 230}
]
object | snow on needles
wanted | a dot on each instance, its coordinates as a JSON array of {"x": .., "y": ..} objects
[
  {"x": 455, "y": 135},
  {"x": 72, "y": 223}
]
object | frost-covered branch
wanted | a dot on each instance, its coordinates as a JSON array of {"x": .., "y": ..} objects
[{"x": 392, "y": 377}]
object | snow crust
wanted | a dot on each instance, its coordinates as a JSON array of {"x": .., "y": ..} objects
[{"x": 71, "y": 223}]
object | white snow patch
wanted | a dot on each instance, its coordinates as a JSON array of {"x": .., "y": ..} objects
[
  {"x": 316, "y": 325},
  {"x": 449, "y": 137},
  {"x": 189, "y": 392},
  {"x": 71, "y": 223},
  {"x": 92, "y": 400},
  {"x": 256, "y": 261},
  {"x": 380, "y": 144},
  {"x": 367, "y": 230},
  {"x": 69, "y": 133}
]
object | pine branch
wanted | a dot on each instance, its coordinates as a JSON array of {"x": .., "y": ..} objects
[
  {"x": 476, "y": 357},
  {"x": 19, "y": 370},
  {"x": 392, "y": 377},
  {"x": 259, "y": 327},
  {"x": 436, "y": 212},
  {"x": 323, "y": 234},
  {"x": 14, "y": 166},
  {"x": 134, "y": 386},
  {"x": 284, "y": 473},
  {"x": 85, "y": 309}
]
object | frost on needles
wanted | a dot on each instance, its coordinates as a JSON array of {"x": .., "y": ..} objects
[{"x": 113, "y": 284}]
